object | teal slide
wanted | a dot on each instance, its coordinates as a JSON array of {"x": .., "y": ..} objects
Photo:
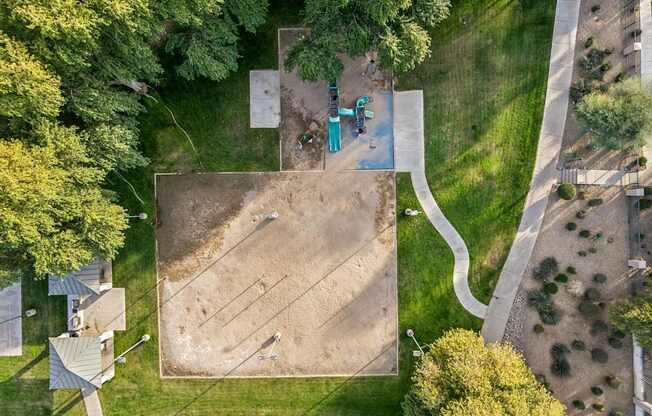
[{"x": 334, "y": 128}]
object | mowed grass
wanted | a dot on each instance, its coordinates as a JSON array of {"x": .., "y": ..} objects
[
  {"x": 489, "y": 73},
  {"x": 484, "y": 90}
]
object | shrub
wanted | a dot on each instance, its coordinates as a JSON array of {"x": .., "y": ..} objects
[
  {"x": 550, "y": 288},
  {"x": 597, "y": 391},
  {"x": 561, "y": 278},
  {"x": 613, "y": 381},
  {"x": 615, "y": 343},
  {"x": 595, "y": 202},
  {"x": 581, "y": 214},
  {"x": 578, "y": 345},
  {"x": 566, "y": 191},
  {"x": 588, "y": 42},
  {"x": 642, "y": 161},
  {"x": 538, "y": 298},
  {"x": 616, "y": 412},
  {"x": 571, "y": 270},
  {"x": 600, "y": 278},
  {"x": 605, "y": 66},
  {"x": 595, "y": 8},
  {"x": 547, "y": 267},
  {"x": 549, "y": 315},
  {"x": 619, "y": 334},
  {"x": 598, "y": 407},
  {"x": 592, "y": 294},
  {"x": 571, "y": 226},
  {"x": 560, "y": 367},
  {"x": 588, "y": 309},
  {"x": 593, "y": 250},
  {"x": 585, "y": 233},
  {"x": 644, "y": 204},
  {"x": 620, "y": 77},
  {"x": 538, "y": 329},
  {"x": 599, "y": 355},
  {"x": 599, "y": 327},
  {"x": 559, "y": 350},
  {"x": 579, "y": 405},
  {"x": 581, "y": 253}
]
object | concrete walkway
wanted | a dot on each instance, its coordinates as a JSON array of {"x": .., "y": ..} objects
[
  {"x": 11, "y": 334},
  {"x": 598, "y": 177},
  {"x": 545, "y": 173},
  {"x": 92, "y": 402},
  {"x": 409, "y": 157}
]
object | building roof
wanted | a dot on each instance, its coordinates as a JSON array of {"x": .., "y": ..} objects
[
  {"x": 104, "y": 312},
  {"x": 85, "y": 281},
  {"x": 75, "y": 363}
]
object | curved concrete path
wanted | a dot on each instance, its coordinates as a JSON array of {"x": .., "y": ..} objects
[
  {"x": 409, "y": 157},
  {"x": 545, "y": 173}
]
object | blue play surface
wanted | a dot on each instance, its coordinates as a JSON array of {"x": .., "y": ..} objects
[{"x": 373, "y": 150}]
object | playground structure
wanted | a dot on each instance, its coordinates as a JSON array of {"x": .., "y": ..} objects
[{"x": 335, "y": 112}]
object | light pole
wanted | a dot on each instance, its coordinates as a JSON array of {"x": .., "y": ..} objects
[
  {"x": 410, "y": 333},
  {"x": 141, "y": 216},
  {"x": 121, "y": 359}
]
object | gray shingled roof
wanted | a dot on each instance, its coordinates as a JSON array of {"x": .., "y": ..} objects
[
  {"x": 85, "y": 281},
  {"x": 75, "y": 363}
]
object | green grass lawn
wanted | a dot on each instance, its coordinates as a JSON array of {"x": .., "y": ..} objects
[{"x": 484, "y": 89}]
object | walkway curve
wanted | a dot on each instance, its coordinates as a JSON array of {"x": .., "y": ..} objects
[
  {"x": 409, "y": 157},
  {"x": 545, "y": 173}
]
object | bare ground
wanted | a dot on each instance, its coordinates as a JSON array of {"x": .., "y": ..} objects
[
  {"x": 610, "y": 259},
  {"x": 323, "y": 274}
]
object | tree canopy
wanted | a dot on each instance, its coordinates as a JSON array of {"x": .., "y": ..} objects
[
  {"x": 635, "y": 315},
  {"x": 72, "y": 75},
  {"x": 620, "y": 117},
  {"x": 396, "y": 29},
  {"x": 460, "y": 376}
]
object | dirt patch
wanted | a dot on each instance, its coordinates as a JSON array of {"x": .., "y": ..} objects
[
  {"x": 323, "y": 274},
  {"x": 610, "y": 259}
]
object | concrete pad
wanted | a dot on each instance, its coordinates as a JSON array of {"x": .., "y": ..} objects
[
  {"x": 322, "y": 274},
  {"x": 11, "y": 333},
  {"x": 264, "y": 99},
  {"x": 408, "y": 131}
]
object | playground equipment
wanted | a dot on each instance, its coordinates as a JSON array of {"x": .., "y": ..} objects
[{"x": 335, "y": 112}]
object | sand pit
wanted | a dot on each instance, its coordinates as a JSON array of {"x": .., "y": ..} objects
[{"x": 323, "y": 274}]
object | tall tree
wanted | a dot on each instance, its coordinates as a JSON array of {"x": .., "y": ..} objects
[
  {"x": 620, "y": 117},
  {"x": 635, "y": 316},
  {"x": 397, "y": 29},
  {"x": 28, "y": 91},
  {"x": 460, "y": 376},
  {"x": 54, "y": 217}
]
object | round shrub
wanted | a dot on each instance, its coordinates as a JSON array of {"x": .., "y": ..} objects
[
  {"x": 598, "y": 407},
  {"x": 644, "y": 204},
  {"x": 560, "y": 367},
  {"x": 550, "y": 288},
  {"x": 597, "y": 391},
  {"x": 616, "y": 412},
  {"x": 571, "y": 270},
  {"x": 581, "y": 253},
  {"x": 561, "y": 278},
  {"x": 585, "y": 233},
  {"x": 578, "y": 345},
  {"x": 599, "y": 355},
  {"x": 599, "y": 327},
  {"x": 619, "y": 334},
  {"x": 595, "y": 202},
  {"x": 613, "y": 381},
  {"x": 549, "y": 315},
  {"x": 642, "y": 161},
  {"x": 579, "y": 405},
  {"x": 538, "y": 329},
  {"x": 559, "y": 350},
  {"x": 581, "y": 214},
  {"x": 615, "y": 343},
  {"x": 538, "y": 299},
  {"x": 600, "y": 278},
  {"x": 588, "y": 309},
  {"x": 592, "y": 294},
  {"x": 571, "y": 226},
  {"x": 547, "y": 268},
  {"x": 566, "y": 191}
]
